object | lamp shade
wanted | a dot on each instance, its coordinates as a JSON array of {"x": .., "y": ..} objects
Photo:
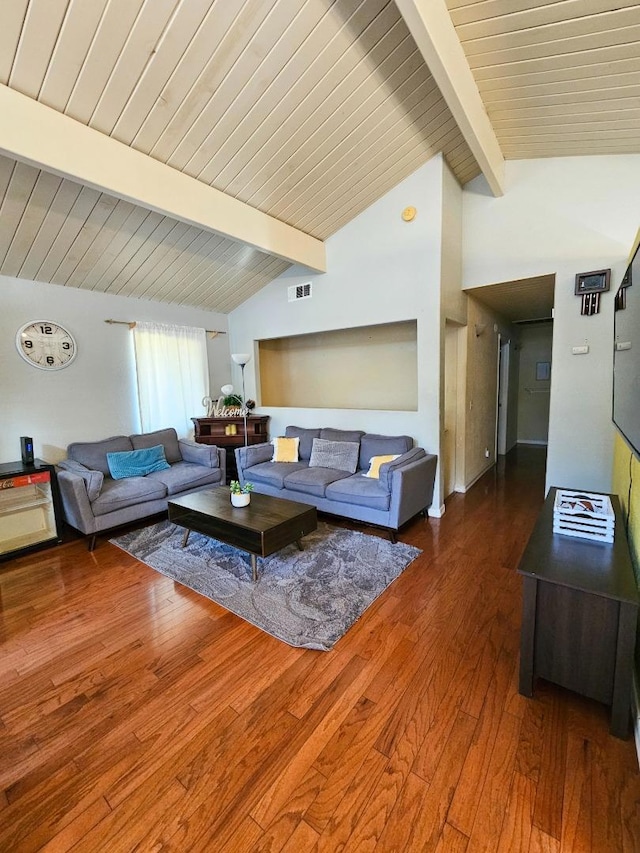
[{"x": 241, "y": 358}]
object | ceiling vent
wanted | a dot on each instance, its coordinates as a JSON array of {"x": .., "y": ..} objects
[{"x": 299, "y": 291}]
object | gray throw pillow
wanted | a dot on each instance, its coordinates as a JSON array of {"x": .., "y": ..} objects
[{"x": 341, "y": 455}]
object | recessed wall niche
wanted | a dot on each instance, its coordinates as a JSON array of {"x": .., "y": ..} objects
[{"x": 369, "y": 367}]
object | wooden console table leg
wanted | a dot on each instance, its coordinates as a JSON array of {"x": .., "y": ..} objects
[
  {"x": 299, "y": 544},
  {"x": 254, "y": 568},
  {"x": 185, "y": 537},
  {"x": 622, "y": 680},
  {"x": 528, "y": 636}
]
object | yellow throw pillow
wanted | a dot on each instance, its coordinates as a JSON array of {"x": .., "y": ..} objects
[
  {"x": 285, "y": 449},
  {"x": 376, "y": 462}
]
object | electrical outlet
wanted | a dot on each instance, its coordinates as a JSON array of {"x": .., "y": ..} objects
[{"x": 486, "y": 452}]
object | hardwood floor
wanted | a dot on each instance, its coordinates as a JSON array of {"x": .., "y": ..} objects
[{"x": 137, "y": 715}]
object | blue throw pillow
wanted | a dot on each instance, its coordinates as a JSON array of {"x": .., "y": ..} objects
[{"x": 137, "y": 463}]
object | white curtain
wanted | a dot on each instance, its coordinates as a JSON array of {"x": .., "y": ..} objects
[{"x": 173, "y": 375}]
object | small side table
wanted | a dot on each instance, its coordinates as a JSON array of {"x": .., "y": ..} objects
[
  {"x": 580, "y": 608},
  {"x": 213, "y": 431}
]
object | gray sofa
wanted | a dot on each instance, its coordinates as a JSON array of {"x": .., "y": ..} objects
[
  {"x": 93, "y": 501},
  {"x": 403, "y": 489}
]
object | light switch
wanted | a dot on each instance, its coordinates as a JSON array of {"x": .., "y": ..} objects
[{"x": 580, "y": 350}]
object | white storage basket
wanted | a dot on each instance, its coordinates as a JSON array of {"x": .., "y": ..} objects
[{"x": 583, "y": 514}]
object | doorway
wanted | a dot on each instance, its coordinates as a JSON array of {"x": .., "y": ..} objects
[
  {"x": 504, "y": 358},
  {"x": 453, "y": 409}
]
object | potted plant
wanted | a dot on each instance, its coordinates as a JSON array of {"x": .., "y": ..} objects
[{"x": 240, "y": 495}]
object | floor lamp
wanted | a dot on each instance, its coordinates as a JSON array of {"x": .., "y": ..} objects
[{"x": 242, "y": 358}]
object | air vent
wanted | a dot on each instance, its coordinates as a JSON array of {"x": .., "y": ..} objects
[{"x": 299, "y": 291}]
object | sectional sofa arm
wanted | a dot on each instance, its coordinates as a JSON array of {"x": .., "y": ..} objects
[
  {"x": 246, "y": 457},
  {"x": 202, "y": 454},
  {"x": 75, "y": 501},
  {"x": 412, "y": 487}
]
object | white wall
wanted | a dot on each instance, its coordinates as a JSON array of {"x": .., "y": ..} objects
[
  {"x": 380, "y": 270},
  {"x": 562, "y": 216},
  {"x": 95, "y": 396}
]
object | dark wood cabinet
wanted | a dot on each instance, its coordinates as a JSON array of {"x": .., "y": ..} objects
[
  {"x": 219, "y": 431},
  {"x": 580, "y": 608}
]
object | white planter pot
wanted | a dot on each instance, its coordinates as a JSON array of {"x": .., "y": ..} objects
[{"x": 240, "y": 500}]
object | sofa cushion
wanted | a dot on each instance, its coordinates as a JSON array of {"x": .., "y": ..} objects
[
  {"x": 374, "y": 466},
  {"x": 201, "y": 454},
  {"x": 359, "y": 490},
  {"x": 92, "y": 479},
  {"x": 285, "y": 449},
  {"x": 168, "y": 438},
  {"x": 137, "y": 463},
  {"x": 313, "y": 481},
  {"x": 272, "y": 473},
  {"x": 93, "y": 454},
  {"x": 330, "y": 434},
  {"x": 186, "y": 475},
  {"x": 306, "y": 437},
  {"x": 342, "y": 455},
  {"x": 382, "y": 445},
  {"x": 118, "y": 494}
]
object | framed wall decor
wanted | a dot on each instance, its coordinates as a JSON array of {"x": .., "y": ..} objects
[
  {"x": 592, "y": 282},
  {"x": 543, "y": 371},
  {"x": 589, "y": 285}
]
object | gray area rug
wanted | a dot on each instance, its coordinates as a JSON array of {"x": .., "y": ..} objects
[{"x": 308, "y": 598}]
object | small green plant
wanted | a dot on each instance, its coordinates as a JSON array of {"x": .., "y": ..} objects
[
  {"x": 232, "y": 401},
  {"x": 236, "y": 489}
]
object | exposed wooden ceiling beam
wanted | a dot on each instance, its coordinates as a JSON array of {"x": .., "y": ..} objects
[
  {"x": 432, "y": 29},
  {"x": 35, "y": 134}
]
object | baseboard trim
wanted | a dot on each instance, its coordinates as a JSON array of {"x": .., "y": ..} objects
[
  {"x": 464, "y": 489},
  {"x": 635, "y": 708},
  {"x": 436, "y": 512}
]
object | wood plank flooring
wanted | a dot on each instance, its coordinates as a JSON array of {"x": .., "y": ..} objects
[{"x": 136, "y": 715}]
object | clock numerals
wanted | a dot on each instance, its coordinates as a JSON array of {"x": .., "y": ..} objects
[{"x": 45, "y": 345}]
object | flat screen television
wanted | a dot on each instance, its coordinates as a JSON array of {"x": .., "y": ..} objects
[{"x": 626, "y": 355}]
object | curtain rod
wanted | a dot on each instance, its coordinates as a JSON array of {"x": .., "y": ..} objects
[{"x": 211, "y": 332}]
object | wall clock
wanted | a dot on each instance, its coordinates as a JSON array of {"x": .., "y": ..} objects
[{"x": 46, "y": 345}]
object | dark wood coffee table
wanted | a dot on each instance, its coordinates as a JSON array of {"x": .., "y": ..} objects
[{"x": 263, "y": 527}]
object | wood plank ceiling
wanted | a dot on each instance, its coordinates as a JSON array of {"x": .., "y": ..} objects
[{"x": 308, "y": 112}]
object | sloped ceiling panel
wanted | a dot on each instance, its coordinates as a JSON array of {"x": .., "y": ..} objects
[
  {"x": 557, "y": 78},
  {"x": 308, "y": 111},
  {"x": 58, "y": 231}
]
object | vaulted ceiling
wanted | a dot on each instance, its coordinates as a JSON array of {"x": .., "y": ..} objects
[{"x": 191, "y": 150}]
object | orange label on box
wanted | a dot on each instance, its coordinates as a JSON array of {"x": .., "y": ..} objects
[{"x": 24, "y": 480}]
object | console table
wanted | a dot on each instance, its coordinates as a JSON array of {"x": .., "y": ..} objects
[
  {"x": 214, "y": 431},
  {"x": 580, "y": 606}
]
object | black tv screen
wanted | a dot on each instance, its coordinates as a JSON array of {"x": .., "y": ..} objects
[{"x": 626, "y": 356}]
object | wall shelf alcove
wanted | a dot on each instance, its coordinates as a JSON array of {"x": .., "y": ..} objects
[{"x": 368, "y": 367}]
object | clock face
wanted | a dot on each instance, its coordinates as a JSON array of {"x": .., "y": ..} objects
[{"x": 46, "y": 345}]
